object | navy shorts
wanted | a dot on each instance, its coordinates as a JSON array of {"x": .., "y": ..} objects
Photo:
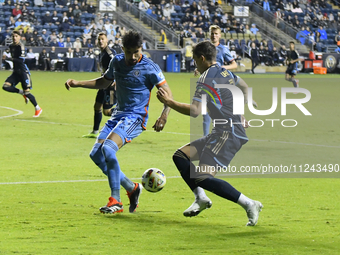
[
  {"x": 22, "y": 77},
  {"x": 292, "y": 70},
  {"x": 218, "y": 148},
  {"x": 106, "y": 97}
]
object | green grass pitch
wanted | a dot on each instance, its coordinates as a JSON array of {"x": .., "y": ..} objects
[{"x": 51, "y": 191}]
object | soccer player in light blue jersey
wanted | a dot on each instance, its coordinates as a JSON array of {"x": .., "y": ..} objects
[
  {"x": 135, "y": 76},
  {"x": 225, "y": 60},
  {"x": 217, "y": 149}
]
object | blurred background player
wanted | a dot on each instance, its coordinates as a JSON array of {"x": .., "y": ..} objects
[
  {"x": 219, "y": 147},
  {"x": 135, "y": 76},
  {"x": 292, "y": 64},
  {"x": 225, "y": 60},
  {"x": 20, "y": 73},
  {"x": 105, "y": 98}
]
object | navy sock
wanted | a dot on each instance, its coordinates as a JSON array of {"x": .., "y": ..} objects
[
  {"x": 10, "y": 89},
  {"x": 109, "y": 149},
  {"x": 97, "y": 119},
  {"x": 183, "y": 165},
  {"x": 220, "y": 188},
  {"x": 32, "y": 99},
  {"x": 97, "y": 157}
]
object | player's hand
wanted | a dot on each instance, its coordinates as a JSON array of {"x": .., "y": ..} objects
[
  {"x": 245, "y": 123},
  {"x": 69, "y": 84},
  {"x": 163, "y": 96},
  {"x": 159, "y": 124},
  {"x": 196, "y": 72}
]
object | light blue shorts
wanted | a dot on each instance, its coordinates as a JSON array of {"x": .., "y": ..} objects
[{"x": 127, "y": 127}]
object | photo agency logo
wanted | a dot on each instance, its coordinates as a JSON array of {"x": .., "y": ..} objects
[{"x": 239, "y": 102}]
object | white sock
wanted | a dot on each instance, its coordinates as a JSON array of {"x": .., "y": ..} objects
[
  {"x": 199, "y": 193},
  {"x": 95, "y": 132},
  {"x": 37, "y": 107},
  {"x": 21, "y": 92},
  {"x": 244, "y": 201}
]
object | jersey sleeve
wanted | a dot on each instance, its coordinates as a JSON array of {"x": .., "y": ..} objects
[
  {"x": 109, "y": 73},
  {"x": 227, "y": 57},
  {"x": 156, "y": 75}
]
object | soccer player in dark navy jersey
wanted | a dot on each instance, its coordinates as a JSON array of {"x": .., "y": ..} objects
[
  {"x": 225, "y": 60},
  {"x": 20, "y": 74},
  {"x": 105, "y": 98},
  {"x": 135, "y": 77},
  {"x": 219, "y": 147},
  {"x": 292, "y": 61}
]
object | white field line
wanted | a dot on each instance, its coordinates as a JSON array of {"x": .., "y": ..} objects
[{"x": 7, "y": 116}]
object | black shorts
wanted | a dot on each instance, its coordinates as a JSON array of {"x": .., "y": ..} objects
[
  {"x": 106, "y": 97},
  {"x": 218, "y": 148},
  {"x": 22, "y": 77},
  {"x": 291, "y": 70}
]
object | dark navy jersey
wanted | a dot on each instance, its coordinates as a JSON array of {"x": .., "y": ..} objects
[
  {"x": 292, "y": 55},
  {"x": 105, "y": 57},
  {"x": 18, "y": 56},
  {"x": 219, "y": 100}
]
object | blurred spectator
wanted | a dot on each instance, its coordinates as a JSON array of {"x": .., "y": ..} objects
[
  {"x": 52, "y": 36},
  {"x": 31, "y": 61},
  {"x": 187, "y": 51},
  {"x": 111, "y": 36},
  {"x": 6, "y": 56},
  {"x": 77, "y": 53},
  {"x": 89, "y": 53},
  {"x": 44, "y": 35},
  {"x": 145, "y": 45},
  {"x": 69, "y": 53},
  {"x": 68, "y": 43},
  {"x": 266, "y": 6},
  {"x": 76, "y": 11},
  {"x": 44, "y": 61},
  {"x": 61, "y": 43},
  {"x": 247, "y": 30},
  {"x": 41, "y": 41},
  {"x": 46, "y": 19},
  {"x": 55, "y": 18},
  {"x": 64, "y": 26},
  {"x": 87, "y": 32},
  {"x": 16, "y": 12},
  {"x": 31, "y": 42},
  {"x": 254, "y": 29},
  {"x": 337, "y": 38},
  {"x": 32, "y": 18},
  {"x": 167, "y": 11},
  {"x": 318, "y": 46},
  {"x": 283, "y": 52},
  {"x": 143, "y": 5},
  {"x": 83, "y": 7},
  {"x": 38, "y": 3},
  {"x": 70, "y": 12},
  {"x": 323, "y": 34},
  {"x": 255, "y": 57},
  {"x": 117, "y": 46},
  {"x": 91, "y": 8},
  {"x": 53, "y": 57},
  {"x": 24, "y": 12},
  {"x": 277, "y": 59},
  {"x": 60, "y": 3},
  {"x": 53, "y": 43},
  {"x": 10, "y": 24},
  {"x": 77, "y": 43}
]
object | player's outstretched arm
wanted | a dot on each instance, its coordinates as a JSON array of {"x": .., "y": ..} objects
[
  {"x": 161, "y": 121},
  {"x": 99, "y": 83},
  {"x": 186, "y": 109}
]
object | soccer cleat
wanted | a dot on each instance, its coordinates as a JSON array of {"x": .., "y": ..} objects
[
  {"x": 37, "y": 113},
  {"x": 26, "y": 99},
  {"x": 253, "y": 213},
  {"x": 198, "y": 206},
  {"x": 113, "y": 206},
  {"x": 134, "y": 197},
  {"x": 91, "y": 135}
]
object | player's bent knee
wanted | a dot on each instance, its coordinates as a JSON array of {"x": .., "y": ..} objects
[{"x": 5, "y": 86}]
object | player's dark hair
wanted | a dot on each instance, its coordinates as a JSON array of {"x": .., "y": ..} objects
[
  {"x": 292, "y": 42},
  {"x": 132, "y": 39},
  {"x": 100, "y": 34},
  {"x": 206, "y": 49},
  {"x": 16, "y": 32}
]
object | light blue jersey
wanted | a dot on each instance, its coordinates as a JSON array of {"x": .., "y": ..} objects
[
  {"x": 223, "y": 55},
  {"x": 134, "y": 85}
]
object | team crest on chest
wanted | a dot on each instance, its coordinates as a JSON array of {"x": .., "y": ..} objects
[{"x": 136, "y": 73}]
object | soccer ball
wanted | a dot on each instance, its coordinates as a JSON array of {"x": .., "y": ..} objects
[{"x": 153, "y": 180}]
